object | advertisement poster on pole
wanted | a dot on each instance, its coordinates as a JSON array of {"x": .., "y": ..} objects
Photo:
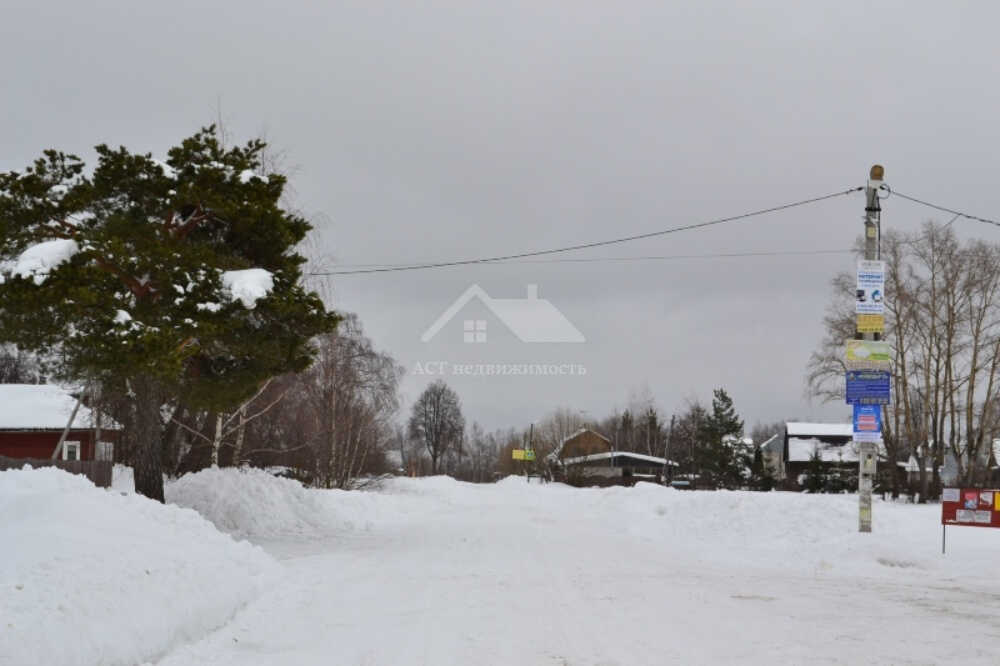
[
  {"x": 871, "y": 288},
  {"x": 867, "y": 423},
  {"x": 868, "y": 387},
  {"x": 867, "y": 355}
]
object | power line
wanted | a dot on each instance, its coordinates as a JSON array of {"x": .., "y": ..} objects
[
  {"x": 943, "y": 209},
  {"x": 667, "y": 257},
  {"x": 584, "y": 246}
]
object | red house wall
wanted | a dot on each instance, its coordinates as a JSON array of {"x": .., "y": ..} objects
[{"x": 41, "y": 443}]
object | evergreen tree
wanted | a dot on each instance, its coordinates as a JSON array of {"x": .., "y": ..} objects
[
  {"x": 815, "y": 480},
  {"x": 726, "y": 458},
  {"x": 158, "y": 278}
]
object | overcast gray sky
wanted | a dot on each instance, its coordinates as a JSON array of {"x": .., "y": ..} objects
[{"x": 444, "y": 130}]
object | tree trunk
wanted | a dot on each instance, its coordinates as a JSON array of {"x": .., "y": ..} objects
[
  {"x": 240, "y": 435},
  {"x": 217, "y": 439},
  {"x": 148, "y": 437}
]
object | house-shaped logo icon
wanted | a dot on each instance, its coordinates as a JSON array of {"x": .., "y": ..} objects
[{"x": 531, "y": 319}]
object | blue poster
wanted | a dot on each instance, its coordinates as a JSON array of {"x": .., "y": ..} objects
[
  {"x": 867, "y": 423},
  {"x": 868, "y": 387}
]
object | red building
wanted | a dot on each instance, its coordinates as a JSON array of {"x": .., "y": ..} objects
[{"x": 33, "y": 416}]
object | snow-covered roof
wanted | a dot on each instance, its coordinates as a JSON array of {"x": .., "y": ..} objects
[
  {"x": 800, "y": 449},
  {"x": 42, "y": 407},
  {"x": 799, "y": 429},
  {"x": 610, "y": 455}
]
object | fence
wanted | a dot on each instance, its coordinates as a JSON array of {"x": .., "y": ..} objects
[{"x": 98, "y": 471}]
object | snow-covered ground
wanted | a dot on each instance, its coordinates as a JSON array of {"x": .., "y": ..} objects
[
  {"x": 90, "y": 576},
  {"x": 432, "y": 571}
]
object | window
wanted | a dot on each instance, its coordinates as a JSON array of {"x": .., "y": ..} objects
[
  {"x": 474, "y": 330},
  {"x": 105, "y": 451},
  {"x": 71, "y": 450}
]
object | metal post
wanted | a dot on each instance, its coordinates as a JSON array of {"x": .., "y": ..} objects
[
  {"x": 943, "y": 528},
  {"x": 868, "y": 452}
]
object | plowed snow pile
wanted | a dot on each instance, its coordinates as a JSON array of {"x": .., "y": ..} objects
[
  {"x": 254, "y": 504},
  {"x": 90, "y": 576}
]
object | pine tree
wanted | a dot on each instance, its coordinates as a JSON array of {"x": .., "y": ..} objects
[
  {"x": 137, "y": 276},
  {"x": 726, "y": 457}
]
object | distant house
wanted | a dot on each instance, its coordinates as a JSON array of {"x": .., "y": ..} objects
[
  {"x": 587, "y": 458},
  {"x": 33, "y": 416},
  {"x": 912, "y": 469},
  {"x": 583, "y": 442},
  {"x": 833, "y": 442}
]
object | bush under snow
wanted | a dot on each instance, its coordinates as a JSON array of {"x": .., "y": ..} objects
[{"x": 91, "y": 576}]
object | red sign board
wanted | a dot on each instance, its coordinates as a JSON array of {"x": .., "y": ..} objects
[{"x": 973, "y": 507}]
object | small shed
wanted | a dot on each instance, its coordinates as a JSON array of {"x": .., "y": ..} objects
[{"x": 32, "y": 419}]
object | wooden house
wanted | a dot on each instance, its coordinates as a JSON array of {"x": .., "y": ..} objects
[
  {"x": 32, "y": 419},
  {"x": 587, "y": 458}
]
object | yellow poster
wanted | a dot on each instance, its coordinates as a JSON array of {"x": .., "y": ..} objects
[
  {"x": 996, "y": 501},
  {"x": 518, "y": 454},
  {"x": 871, "y": 323}
]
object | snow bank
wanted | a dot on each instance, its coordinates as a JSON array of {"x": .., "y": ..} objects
[
  {"x": 90, "y": 576},
  {"x": 248, "y": 286},
  {"x": 795, "y": 533},
  {"x": 38, "y": 260},
  {"x": 252, "y": 503}
]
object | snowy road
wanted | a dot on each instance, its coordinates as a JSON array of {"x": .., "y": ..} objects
[{"x": 509, "y": 575}]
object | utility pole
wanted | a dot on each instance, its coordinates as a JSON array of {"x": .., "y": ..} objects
[{"x": 868, "y": 451}]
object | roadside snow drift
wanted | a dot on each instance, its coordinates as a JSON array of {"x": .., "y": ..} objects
[
  {"x": 90, "y": 576},
  {"x": 252, "y": 503}
]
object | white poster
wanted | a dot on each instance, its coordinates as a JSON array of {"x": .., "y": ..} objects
[
  {"x": 871, "y": 287},
  {"x": 949, "y": 495}
]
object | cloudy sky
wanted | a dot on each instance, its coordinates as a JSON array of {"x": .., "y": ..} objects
[{"x": 450, "y": 130}]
